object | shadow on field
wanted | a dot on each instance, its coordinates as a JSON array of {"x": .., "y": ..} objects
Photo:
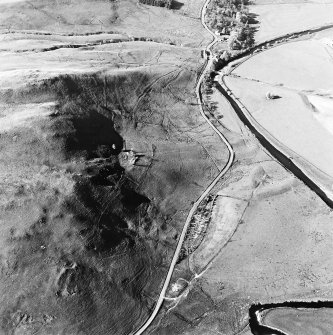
[
  {"x": 176, "y": 5},
  {"x": 253, "y": 18}
]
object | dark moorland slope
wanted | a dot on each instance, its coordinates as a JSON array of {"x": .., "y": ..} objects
[{"x": 86, "y": 233}]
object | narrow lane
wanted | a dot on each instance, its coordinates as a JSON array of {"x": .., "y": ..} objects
[{"x": 208, "y": 189}]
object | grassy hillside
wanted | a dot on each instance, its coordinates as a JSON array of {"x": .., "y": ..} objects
[{"x": 87, "y": 235}]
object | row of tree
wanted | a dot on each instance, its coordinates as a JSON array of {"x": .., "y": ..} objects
[{"x": 159, "y": 3}]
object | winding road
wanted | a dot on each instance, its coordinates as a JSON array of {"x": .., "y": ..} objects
[
  {"x": 208, "y": 189},
  {"x": 245, "y": 118}
]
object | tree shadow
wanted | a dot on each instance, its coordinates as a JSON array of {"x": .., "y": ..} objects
[
  {"x": 176, "y": 5},
  {"x": 271, "y": 96},
  {"x": 253, "y": 18},
  {"x": 252, "y": 32}
]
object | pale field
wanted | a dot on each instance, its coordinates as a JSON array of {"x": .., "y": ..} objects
[
  {"x": 324, "y": 110},
  {"x": 300, "y": 73},
  {"x": 277, "y": 18},
  {"x": 301, "y": 321},
  {"x": 282, "y": 250},
  {"x": 303, "y": 65},
  {"x": 288, "y": 119}
]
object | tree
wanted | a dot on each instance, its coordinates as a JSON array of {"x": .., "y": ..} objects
[{"x": 158, "y": 3}]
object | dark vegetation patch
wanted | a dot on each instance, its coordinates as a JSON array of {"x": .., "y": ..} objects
[
  {"x": 82, "y": 265},
  {"x": 197, "y": 228},
  {"x": 158, "y": 3}
]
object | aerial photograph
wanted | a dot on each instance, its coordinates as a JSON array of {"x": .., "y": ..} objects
[{"x": 166, "y": 167}]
